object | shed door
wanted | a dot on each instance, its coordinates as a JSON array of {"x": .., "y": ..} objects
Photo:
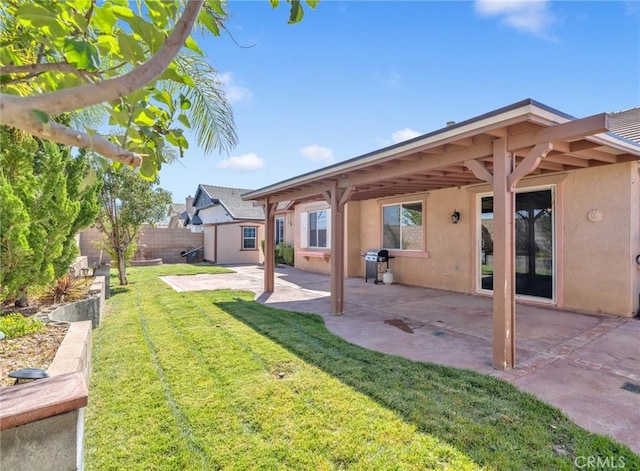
[{"x": 534, "y": 244}]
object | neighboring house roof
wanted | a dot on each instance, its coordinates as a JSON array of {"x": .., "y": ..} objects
[
  {"x": 195, "y": 220},
  {"x": 177, "y": 214},
  {"x": 230, "y": 199},
  {"x": 178, "y": 208},
  {"x": 626, "y": 124}
]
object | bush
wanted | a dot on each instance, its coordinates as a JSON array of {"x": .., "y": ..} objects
[
  {"x": 16, "y": 325},
  {"x": 284, "y": 254},
  {"x": 67, "y": 288}
]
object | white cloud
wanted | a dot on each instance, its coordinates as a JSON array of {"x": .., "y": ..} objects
[
  {"x": 318, "y": 153},
  {"x": 404, "y": 135},
  {"x": 528, "y": 16},
  {"x": 234, "y": 92},
  {"x": 243, "y": 163}
]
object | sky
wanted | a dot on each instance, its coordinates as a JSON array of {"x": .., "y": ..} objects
[{"x": 356, "y": 76}]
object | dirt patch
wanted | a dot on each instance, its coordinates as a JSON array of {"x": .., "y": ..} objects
[
  {"x": 400, "y": 324},
  {"x": 30, "y": 351}
]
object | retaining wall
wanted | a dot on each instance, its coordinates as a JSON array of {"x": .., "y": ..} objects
[{"x": 42, "y": 422}]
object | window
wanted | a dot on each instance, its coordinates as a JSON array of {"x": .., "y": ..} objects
[
  {"x": 249, "y": 238},
  {"x": 279, "y": 230},
  {"x": 318, "y": 229},
  {"x": 402, "y": 226}
]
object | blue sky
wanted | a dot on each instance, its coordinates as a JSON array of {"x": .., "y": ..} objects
[{"x": 355, "y": 76}]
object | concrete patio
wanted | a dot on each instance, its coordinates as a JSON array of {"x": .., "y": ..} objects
[{"x": 576, "y": 362}]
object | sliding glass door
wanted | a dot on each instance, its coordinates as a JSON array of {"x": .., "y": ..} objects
[{"x": 534, "y": 243}]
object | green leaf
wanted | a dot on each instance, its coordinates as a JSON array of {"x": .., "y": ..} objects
[
  {"x": 164, "y": 96},
  {"x": 41, "y": 17},
  {"x": 296, "y": 13},
  {"x": 149, "y": 168},
  {"x": 312, "y": 3},
  {"x": 104, "y": 18},
  {"x": 108, "y": 45},
  {"x": 150, "y": 34},
  {"x": 209, "y": 21},
  {"x": 81, "y": 54},
  {"x": 130, "y": 48},
  {"x": 216, "y": 6},
  {"x": 144, "y": 117},
  {"x": 190, "y": 43},
  {"x": 36, "y": 15},
  {"x": 157, "y": 12},
  {"x": 184, "y": 120},
  {"x": 41, "y": 116},
  {"x": 274, "y": 3},
  {"x": 171, "y": 73},
  {"x": 118, "y": 116},
  {"x": 185, "y": 104}
]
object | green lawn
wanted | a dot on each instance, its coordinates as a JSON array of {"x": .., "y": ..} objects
[{"x": 213, "y": 380}]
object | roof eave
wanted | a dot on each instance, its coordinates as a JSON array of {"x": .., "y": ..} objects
[{"x": 525, "y": 110}]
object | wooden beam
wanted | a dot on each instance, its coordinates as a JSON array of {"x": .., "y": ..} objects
[
  {"x": 529, "y": 164},
  {"x": 269, "y": 245},
  {"x": 428, "y": 163},
  {"x": 571, "y": 130},
  {"x": 479, "y": 170},
  {"x": 337, "y": 195},
  {"x": 504, "y": 349}
]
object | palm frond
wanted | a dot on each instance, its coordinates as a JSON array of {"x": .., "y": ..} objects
[{"x": 210, "y": 115}]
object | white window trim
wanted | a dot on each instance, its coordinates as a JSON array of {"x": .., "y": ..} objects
[{"x": 304, "y": 229}]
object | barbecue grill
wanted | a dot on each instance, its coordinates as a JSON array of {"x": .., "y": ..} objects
[{"x": 375, "y": 261}]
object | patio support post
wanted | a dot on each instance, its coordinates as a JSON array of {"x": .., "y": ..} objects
[
  {"x": 269, "y": 245},
  {"x": 338, "y": 197},
  {"x": 504, "y": 309}
]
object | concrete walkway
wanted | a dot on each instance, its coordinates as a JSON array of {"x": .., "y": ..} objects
[{"x": 576, "y": 362}]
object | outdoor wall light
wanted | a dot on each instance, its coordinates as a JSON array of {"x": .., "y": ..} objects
[{"x": 455, "y": 216}]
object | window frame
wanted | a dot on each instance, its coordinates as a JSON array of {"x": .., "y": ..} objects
[
  {"x": 279, "y": 230},
  {"x": 244, "y": 239},
  {"x": 317, "y": 230},
  {"x": 422, "y": 224}
]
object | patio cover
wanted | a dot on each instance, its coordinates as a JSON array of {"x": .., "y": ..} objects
[{"x": 499, "y": 148}]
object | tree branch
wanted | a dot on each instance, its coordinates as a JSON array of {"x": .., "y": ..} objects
[
  {"x": 61, "y": 134},
  {"x": 33, "y": 70},
  {"x": 17, "y": 111}
]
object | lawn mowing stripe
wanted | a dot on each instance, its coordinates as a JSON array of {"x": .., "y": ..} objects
[
  {"x": 501, "y": 428},
  {"x": 489, "y": 420},
  {"x": 191, "y": 338},
  {"x": 179, "y": 416},
  {"x": 129, "y": 392}
]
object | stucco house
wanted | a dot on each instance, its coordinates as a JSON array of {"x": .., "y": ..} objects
[
  {"x": 524, "y": 203},
  {"x": 232, "y": 227}
]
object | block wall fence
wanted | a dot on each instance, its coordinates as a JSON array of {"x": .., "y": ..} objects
[{"x": 163, "y": 243}]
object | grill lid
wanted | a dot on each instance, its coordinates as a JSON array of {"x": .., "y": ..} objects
[{"x": 375, "y": 255}]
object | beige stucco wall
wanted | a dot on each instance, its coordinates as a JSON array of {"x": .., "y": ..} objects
[
  {"x": 597, "y": 268},
  {"x": 444, "y": 261},
  {"x": 229, "y": 243},
  {"x": 311, "y": 264},
  {"x": 209, "y": 241},
  {"x": 600, "y": 273}
]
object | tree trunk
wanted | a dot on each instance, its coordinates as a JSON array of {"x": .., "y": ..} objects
[{"x": 122, "y": 269}]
